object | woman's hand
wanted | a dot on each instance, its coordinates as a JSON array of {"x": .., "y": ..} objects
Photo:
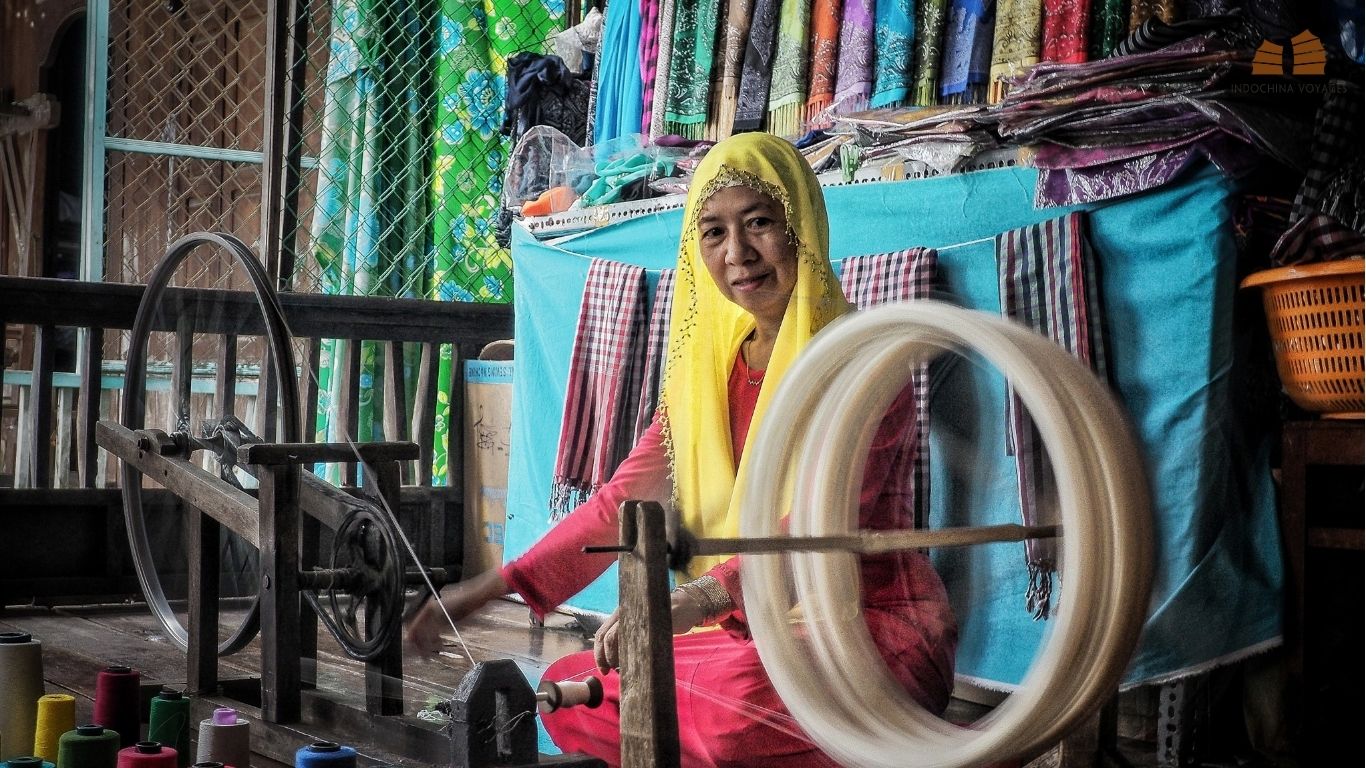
[
  {"x": 466, "y": 597},
  {"x": 684, "y": 609}
]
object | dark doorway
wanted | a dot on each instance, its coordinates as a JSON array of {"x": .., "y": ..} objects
[{"x": 64, "y": 77}]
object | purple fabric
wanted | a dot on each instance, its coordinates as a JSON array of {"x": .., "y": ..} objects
[
  {"x": 1073, "y": 186},
  {"x": 854, "y": 70},
  {"x": 649, "y": 58}
]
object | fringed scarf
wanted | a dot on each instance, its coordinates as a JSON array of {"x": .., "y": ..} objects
[
  {"x": 1065, "y": 25},
  {"x": 649, "y": 60},
  {"x": 1049, "y": 284},
  {"x": 690, "y": 63},
  {"x": 884, "y": 278},
  {"x": 825, "y": 41},
  {"x": 757, "y": 69},
  {"x": 655, "y": 341},
  {"x": 1016, "y": 44},
  {"x": 738, "y": 13},
  {"x": 1109, "y": 25},
  {"x": 931, "y": 16},
  {"x": 598, "y": 415},
  {"x": 894, "y": 64},
  {"x": 787, "y": 91},
  {"x": 661, "y": 88},
  {"x": 967, "y": 51},
  {"x": 854, "y": 68}
]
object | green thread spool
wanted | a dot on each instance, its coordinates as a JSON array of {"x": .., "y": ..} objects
[
  {"x": 88, "y": 746},
  {"x": 56, "y": 716},
  {"x": 169, "y": 723}
]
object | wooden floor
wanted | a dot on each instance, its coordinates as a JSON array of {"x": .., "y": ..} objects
[{"x": 79, "y": 642}]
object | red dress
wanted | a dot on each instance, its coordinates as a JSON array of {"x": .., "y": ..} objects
[{"x": 728, "y": 712}]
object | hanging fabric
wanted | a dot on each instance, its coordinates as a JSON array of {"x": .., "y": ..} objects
[
  {"x": 690, "y": 63},
  {"x": 894, "y": 64},
  {"x": 1065, "y": 27},
  {"x": 738, "y": 15},
  {"x": 967, "y": 51},
  {"x": 930, "y": 19},
  {"x": 599, "y": 411},
  {"x": 757, "y": 70},
  {"x": 854, "y": 67},
  {"x": 649, "y": 60},
  {"x": 660, "y": 96},
  {"x": 886, "y": 278},
  {"x": 656, "y": 340},
  {"x": 1048, "y": 283},
  {"x": 787, "y": 90},
  {"x": 1016, "y": 43},
  {"x": 1109, "y": 25},
  {"x": 1142, "y": 10},
  {"x": 618, "y": 108},
  {"x": 825, "y": 39}
]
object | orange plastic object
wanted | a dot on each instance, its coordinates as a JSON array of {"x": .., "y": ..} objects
[
  {"x": 1314, "y": 312},
  {"x": 552, "y": 200}
]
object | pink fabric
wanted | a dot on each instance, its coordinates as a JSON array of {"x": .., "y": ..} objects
[{"x": 729, "y": 714}]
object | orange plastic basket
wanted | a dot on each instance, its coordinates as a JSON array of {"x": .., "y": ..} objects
[{"x": 1315, "y": 315}]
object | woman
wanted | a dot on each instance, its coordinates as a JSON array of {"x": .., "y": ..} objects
[{"x": 754, "y": 284}]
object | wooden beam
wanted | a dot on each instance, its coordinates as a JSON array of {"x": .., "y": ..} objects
[
  {"x": 40, "y": 408},
  {"x": 88, "y": 408},
  {"x": 649, "y": 709}
]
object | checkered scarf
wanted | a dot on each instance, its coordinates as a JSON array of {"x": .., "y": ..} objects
[
  {"x": 1332, "y": 184},
  {"x": 1048, "y": 283},
  {"x": 599, "y": 419},
  {"x": 1316, "y": 237},
  {"x": 884, "y": 278},
  {"x": 647, "y": 383}
]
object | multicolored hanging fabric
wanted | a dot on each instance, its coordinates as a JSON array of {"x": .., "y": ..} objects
[
  {"x": 649, "y": 60},
  {"x": 595, "y": 433},
  {"x": 894, "y": 63},
  {"x": 885, "y": 278},
  {"x": 690, "y": 63},
  {"x": 787, "y": 89},
  {"x": 1049, "y": 284},
  {"x": 655, "y": 342},
  {"x": 854, "y": 68},
  {"x": 930, "y": 19},
  {"x": 620, "y": 91},
  {"x": 661, "y": 89},
  {"x": 967, "y": 51},
  {"x": 1109, "y": 25},
  {"x": 1016, "y": 44},
  {"x": 1065, "y": 26},
  {"x": 757, "y": 70},
  {"x": 368, "y": 228},
  {"x": 825, "y": 39},
  {"x": 474, "y": 41},
  {"x": 738, "y": 14}
]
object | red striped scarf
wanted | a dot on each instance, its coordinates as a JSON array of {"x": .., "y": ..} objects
[
  {"x": 647, "y": 383},
  {"x": 884, "y": 278},
  {"x": 1049, "y": 284},
  {"x": 596, "y": 431}
]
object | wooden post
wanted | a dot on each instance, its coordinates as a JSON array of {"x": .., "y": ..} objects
[
  {"x": 201, "y": 674},
  {"x": 279, "y": 542},
  {"x": 384, "y": 674},
  {"x": 649, "y": 708}
]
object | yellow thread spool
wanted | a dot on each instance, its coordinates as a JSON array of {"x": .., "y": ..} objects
[{"x": 56, "y": 716}]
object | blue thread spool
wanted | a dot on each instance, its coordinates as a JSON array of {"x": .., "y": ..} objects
[
  {"x": 27, "y": 762},
  {"x": 325, "y": 754}
]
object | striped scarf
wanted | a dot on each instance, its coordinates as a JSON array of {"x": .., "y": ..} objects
[
  {"x": 598, "y": 423},
  {"x": 1048, "y": 284},
  {"x": 647, "y": 382},
  {"x": 885, "y": 278}
]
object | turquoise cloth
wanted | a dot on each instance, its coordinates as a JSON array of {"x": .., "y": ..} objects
[
  {"x": 620, "y": 89},
  {"x": 1167, "y": 283}
]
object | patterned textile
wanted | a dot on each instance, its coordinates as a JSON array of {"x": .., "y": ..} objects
[
  {"x": 757, "y": 69},
  {"x": 474, "y": 41},
  {"x": 1016, "y": 44},
  {"x": 894, "y": 64},
  {"x": 1333, "y": 182},
  {"x": 1154, "y": 33},
  {"x": 1142, "y": 10},
  {"x": 930, "y": 19},
  {"x": 655, "y": 342},
  {"x": 1065, "y": 25},
  {"x": 1317, "y": 237},
  {"x": 1109, "y": 25},
  {"x": 738, "y": 13},
  {"x": 885, "y": 278},
  {"x": 1049, "y": 284},
  {"x": 661, "y": 90},
  {"x": 618, "y": 108},
  {"x": 967, "y": 51},
  {"x": 598, "y": 421},
  {"x": 854, "y": 68},
  {"x": 649, "y": 59},
  {"x": 825, "y": 39},
  {"x": 690, "y": 63},
  {"x": 787, "y": 89},
  {"x": 1070, "y": 184}
]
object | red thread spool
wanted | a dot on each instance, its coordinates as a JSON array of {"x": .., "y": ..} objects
[
  {"x": 116, "y": 703},
  {"x": 147, "y": 754}
]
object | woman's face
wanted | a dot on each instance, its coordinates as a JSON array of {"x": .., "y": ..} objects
[{"x": 745, "y": 245}]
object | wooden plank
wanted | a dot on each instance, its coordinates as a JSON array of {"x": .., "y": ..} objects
[
  {"x": 649, "y": 709},
  {"x": 40, "y": 408},
  {"x": 280, "y": 604},
  {"x": 395, "y": 398},
  {"x": 455, "y": 420},
  {"x": 225, "y": 378},
  {"x": 350, "y": 402},
  {"x": 384, "y": 675},
  {"x": 61, "y": 452},
  {"x": 202, "y": 535},
  {"x": 88, "y": 407},
  {"x": 308, "y": 390},
  {"x": 182, "y": 376},
  {"x": 309, "y": 453},
  {"x": 424, "y": 411},
  {"x": 267, "y": 400}
]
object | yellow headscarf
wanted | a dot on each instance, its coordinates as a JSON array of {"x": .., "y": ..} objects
[{"x": 707, "y": 329}]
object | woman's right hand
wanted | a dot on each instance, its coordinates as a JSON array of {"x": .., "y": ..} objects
[{"x": 462, "y": 599}]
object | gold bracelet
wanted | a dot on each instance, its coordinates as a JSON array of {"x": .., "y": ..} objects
[{"x": 711, "y": 596}]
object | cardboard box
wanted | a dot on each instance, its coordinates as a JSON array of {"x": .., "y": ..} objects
[{"x": 487, "y": 427}]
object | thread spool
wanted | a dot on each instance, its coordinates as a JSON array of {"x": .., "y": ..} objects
[
  {"x": 147, "y": 754},
  {"x": 169, "y": 723},
  {"x": 551, "y": 695},
  {"x": 224, "y": 738},
  {"x": 28, "y": 761},
  {"x": 116, "y": 702},
  {"x": 325, "y": 754},
  {"x": 88, "y": 746},
  {"x": 56, "y": 716},
  {"x": 21, "y": 683}
]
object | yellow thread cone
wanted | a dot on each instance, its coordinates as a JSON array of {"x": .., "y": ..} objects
[{"x": 56, "y": 715}]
